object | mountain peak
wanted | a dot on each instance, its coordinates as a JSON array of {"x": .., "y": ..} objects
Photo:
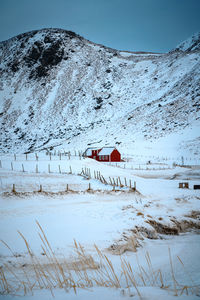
[
  {"x": 38, "y": 50},
  {"x": 191, "y": 44},
  {"x": 44, "y": 32}
]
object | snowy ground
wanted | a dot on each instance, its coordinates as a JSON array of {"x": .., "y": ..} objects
[{"x": 104, "y": 216}]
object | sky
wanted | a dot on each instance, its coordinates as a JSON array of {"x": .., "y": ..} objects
[{"x": 135, "y": 25}]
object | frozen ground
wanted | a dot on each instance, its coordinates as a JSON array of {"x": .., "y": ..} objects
[{"x": 103, "y": 216}]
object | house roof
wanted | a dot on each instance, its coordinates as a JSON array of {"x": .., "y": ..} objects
[
  {"x": 88, "y": 151},
  {"x": 106, "y": 150}
]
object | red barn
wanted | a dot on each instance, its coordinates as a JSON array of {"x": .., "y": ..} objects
[{"x": 103, "y": 154}]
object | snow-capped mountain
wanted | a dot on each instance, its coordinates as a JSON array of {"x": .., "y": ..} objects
[
  {"x": 191, "y": 44},
  {"x": 57, "y": 88}
]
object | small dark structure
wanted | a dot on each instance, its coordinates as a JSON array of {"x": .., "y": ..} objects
[
  {"x": 105, "y": 154},
  {"x": 183, "y": 185},
  {"x": 196, "y": 186}
]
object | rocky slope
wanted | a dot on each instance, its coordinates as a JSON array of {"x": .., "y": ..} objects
[{"x": 56, "y": 88}]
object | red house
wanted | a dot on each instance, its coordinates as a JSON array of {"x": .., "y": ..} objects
[{"x": 103, "y": 154}]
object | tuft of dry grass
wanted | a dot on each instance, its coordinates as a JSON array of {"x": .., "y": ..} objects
[
  {"x": 83, "y": 272},
  {"x": 140, "y": 214},
  {"x": 149, "y": 216}
]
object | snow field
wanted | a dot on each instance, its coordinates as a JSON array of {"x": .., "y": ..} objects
[{"x": 103, "y": 218}]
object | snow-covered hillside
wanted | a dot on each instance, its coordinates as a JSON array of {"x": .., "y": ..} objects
[
  {"x": 191, "y": 44},
  {"x": 58, "y": 89}
]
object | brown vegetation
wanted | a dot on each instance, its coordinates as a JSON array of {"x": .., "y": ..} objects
[{"x": 82, "y": 272}]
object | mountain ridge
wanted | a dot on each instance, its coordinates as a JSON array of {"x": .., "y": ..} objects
[
  {"x": 191, "y": 44},
  {"x": 58, "y": 88}
]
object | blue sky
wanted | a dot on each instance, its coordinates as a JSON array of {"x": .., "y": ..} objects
[{"x": 146, "y": 25}]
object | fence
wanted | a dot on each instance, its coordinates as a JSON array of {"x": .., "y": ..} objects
[{"x": 18, "y": 191}]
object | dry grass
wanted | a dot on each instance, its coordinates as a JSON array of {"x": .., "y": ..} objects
[
  {"x": 83, "y": 272},
  {"x": 140, "y": 214},
  {"x": 131, "y": 245},
  {"x": 149, "y": 216}
]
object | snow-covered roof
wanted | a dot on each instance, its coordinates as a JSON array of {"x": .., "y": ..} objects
[
  {"x": 88, "y": 151},
  {"x": 106, "y": 150}
]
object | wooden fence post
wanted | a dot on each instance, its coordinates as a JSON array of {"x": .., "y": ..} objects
[
  {"x": 26, "y": 156},
  {"x": 11, "y": 166},
  {"x": 59, "y": 169},
  {"x": 40, "y": 190},
  {"x": 117, "y": 182},
  {"x": 104, "y": 181},
  {"x": 13, "y": 189},
  {"x": 36, "y": 168},
  {"x": 82, "y": 171},
  {"x": 67, "y": 188},
  {"x": 22, "y": 168},
  {"x": 49, "y": 168},
  {"x": 15, "y": 157},
  {"x": 125, "y": 182}
]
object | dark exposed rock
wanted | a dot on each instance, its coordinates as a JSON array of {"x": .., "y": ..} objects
[
  {"x": 52, "y": 55},
  {"x": 45, "y": 57},
  {"x": 15, "y": 66},
  {"x": 48, "y": 39},
  {"x": 33, "y": 55}
]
